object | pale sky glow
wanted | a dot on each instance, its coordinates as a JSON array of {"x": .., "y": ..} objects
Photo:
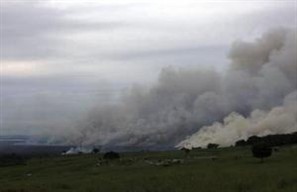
[
  {"x": 21, "y": 68},
  {"x": 99, "y": 48}
]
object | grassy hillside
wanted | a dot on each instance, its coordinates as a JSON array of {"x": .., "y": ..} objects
[{"x": 230, "y": 169}]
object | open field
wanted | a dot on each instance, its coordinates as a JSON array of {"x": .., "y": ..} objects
[{"x": 209, "y": 170}]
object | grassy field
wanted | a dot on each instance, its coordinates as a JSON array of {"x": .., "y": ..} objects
[{"x": 215, "y": 170}]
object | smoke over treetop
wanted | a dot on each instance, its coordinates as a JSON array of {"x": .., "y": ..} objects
[
  {"x": 261, "y": 75},
  {"x": 280, "y": 119}
]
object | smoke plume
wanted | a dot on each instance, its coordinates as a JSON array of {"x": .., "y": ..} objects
[
  {"x": 256, "y": 96},
  {"x": 281, "y": 119}
]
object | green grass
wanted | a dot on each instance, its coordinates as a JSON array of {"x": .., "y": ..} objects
[{"x": 234, "y": 170}]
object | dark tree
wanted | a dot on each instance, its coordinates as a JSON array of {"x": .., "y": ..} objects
[
  {"x": 186, "y": 150},
  {"x": 111, "y": 155},
  {"x": 95, "y": 150},
  {"x": 212, "y": 146},
  {"x": 261, "y": 150},
  {"x": 253, "y": 140},
  {"x": 240, "y": 143}
]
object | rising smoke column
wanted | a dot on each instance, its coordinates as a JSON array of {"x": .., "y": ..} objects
[
  {"x": 161, "y": 115},
  {"x": 261, "y": 77},
  {"x": 269, "y": 73}
]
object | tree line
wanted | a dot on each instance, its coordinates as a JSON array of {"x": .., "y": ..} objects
[{"x": 270, "y": 140}]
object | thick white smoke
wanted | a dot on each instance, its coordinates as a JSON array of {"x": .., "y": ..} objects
[
  {"x": 257, "y": 95},
  {"x": 281, "y": 119}
]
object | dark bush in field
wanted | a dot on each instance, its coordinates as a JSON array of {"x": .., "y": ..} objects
[
  {"x": 11, "y": 159},
  {"x": 212, "y": 146},
  {"x": 95, "y": 150},
  {"x": 111, "y": 155},
  {"x": 254, "y": 140},
  {"x": 261, "y": 150},
  {"x": 186, "y": 150},
  {"x": 240, "y": 143}
]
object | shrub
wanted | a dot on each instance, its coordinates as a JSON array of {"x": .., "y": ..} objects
[
  {"x": 111, "y": 155},
  {"x": 186, "y": 150},
  {"x": 240, "y": 143},
  {"x": 95, "y": 150},
  {"x": 212, "y": 146},
  {"x": 261, "y": 150},
  {"x": 12, "y": 159}
]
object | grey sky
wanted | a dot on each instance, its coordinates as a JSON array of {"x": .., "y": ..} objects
[{"x": 65, "y": 56}]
